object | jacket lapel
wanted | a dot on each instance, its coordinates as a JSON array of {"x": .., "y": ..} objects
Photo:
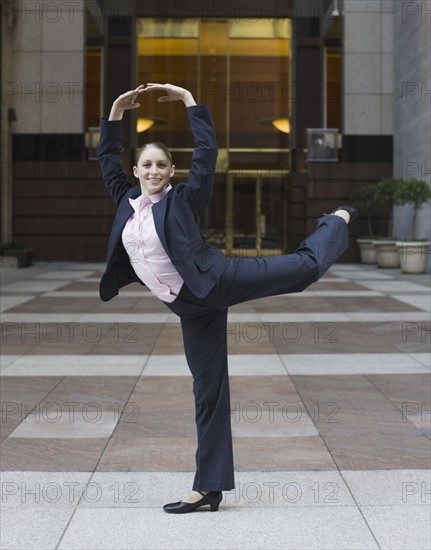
[
  {"x": 159, "y": 212},
  {"x": 125, "y": 210}
]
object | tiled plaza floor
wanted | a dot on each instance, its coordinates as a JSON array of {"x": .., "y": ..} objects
[{"x": 330, "y": 403}]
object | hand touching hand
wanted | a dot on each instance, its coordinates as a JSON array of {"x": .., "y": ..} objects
[
  {"x": 125, "y": 102},
  {"x": 173, "y": 93}
]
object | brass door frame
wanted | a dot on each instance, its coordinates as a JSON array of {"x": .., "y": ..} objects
[
  {"x": 258, "y": 177},
  {"x": 230, "y": 184}
]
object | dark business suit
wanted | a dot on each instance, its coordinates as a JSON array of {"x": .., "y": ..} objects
[{"x": 212, "y": 282}]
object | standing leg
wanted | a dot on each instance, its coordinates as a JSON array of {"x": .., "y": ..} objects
[{"x": 205, "y": 344}]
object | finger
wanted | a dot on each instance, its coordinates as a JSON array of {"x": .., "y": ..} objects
[
  {"x": 153, "y": 86},
  {"x": 163, "y": 98}
]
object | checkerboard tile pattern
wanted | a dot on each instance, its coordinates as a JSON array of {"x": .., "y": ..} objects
[{"x": 329, "y": 392}]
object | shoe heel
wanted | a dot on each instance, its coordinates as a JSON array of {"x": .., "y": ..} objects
[{"x": 216, "y": 499}]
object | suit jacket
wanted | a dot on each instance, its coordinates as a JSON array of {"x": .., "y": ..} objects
[{"x": 175, "y": 216}]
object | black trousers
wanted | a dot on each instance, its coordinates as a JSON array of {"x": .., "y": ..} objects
[{"x": 204, "y": 328}]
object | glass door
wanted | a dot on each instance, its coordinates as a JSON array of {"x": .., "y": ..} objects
[{"x": 243, "y": 70}]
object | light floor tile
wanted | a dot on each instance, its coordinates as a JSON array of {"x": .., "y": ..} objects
[
  {"x": 351, "y": 363},
  {"x": 345, "y": 267},
  {"x": 292, "y": 528},
  {"x": 76, "y": 365},
  {"x": 71, "y": 294},
  {"x": 65, "y": 274},
  {"x": 252, "y": 365},
  {"x": 422, "y": 358},
  {"x": 11, "y": 300},
  {"x": 415, "y": 300},
  {"x": 406, "y": 316},
  {"x": 336, "y": 293},
  {"x": 239, "y": 365},
  {"x": 353, "y": 317},
  {"x": 84, "y": 266},
  {"x": 166, "y": 365},
  {"x": 53, "y": 423},
  {"x": 31, "y": 529},
  {"x": 32, "y": 285},
  {"x": 46, "y": 489},
  {"x": 389, "y": 487},
  {"x": 41, "y": 318},
  {"x": 336, "y": 280},
  {"x": 144, "y": 294},
  {"x": 151, "y": 318},
  {"x": 7, "y": 360},
  {"x": 95, "y": 294},
  {"x": 252, "y": 489},
  {"x": 422, "y": 419},
  {"x": 398, "y": 527},
  {"x": 358, "y": 275},
  {"x": 389, "y": 287}
]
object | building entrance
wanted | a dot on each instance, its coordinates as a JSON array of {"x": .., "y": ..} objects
[{"x": 242, "y": 68}]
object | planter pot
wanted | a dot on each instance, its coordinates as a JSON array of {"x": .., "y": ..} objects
[
  {"x": 387, "y": 254},
  {"x": 413, "y": 256},
  {"x": 22, "y": 257},
  {"x": 367, "y": 251}
]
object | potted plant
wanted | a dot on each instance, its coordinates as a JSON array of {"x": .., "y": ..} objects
[
  {"x": 413, "y": 252},
  {"x": 387, "y": 193},
  {"x": 364, "y": 198}
]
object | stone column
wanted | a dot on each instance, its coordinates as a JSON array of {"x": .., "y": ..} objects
[
  {"x": 368, "y": 67},
  {"x": 412, "y": 106},
  {"x": 48, "y": 67}
]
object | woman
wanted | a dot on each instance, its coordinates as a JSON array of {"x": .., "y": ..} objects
[{"x": 155, "y": 241}]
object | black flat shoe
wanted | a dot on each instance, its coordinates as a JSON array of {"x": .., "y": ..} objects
[
  {"x": 350, "y": 209},
  {"x": 213, "y": 498}
]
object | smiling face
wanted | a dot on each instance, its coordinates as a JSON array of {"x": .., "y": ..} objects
[{"x": 154, "y": 170}]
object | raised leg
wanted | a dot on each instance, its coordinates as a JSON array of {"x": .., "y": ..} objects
[{"x": 252, "y": 278}]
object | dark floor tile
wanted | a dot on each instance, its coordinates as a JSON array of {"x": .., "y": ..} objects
[
  {"x": 156, "y": 423},
  {"x": 276, "y": 391},
  {"x": 317, "y": 304},
  {"x": 81, "y": 287},
  {"x": 126, "y": 304},
  {"x": 103, "y": 393},
  {"x": 403, "y": 388},
  {"x": 135, "y": 454},
  {"x": 51, "y": 455},
  {"x": 56, "y": 305},
  {"x": 9, "y": 423},
  {"x": 332, "y": 337},
  {"x": 21, "y": 389},
  {"x": 127, "y": 338},
  {"x": 409, "y": 336},
  {"x": 378, "y": 452},
  {"x": 337, "y": 285},
  {"x": 360, "y": 426},
  {"x": 279, "y": 453}
]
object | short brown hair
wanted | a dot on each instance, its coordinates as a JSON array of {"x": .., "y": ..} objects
[{"x": 156, "y": 144}]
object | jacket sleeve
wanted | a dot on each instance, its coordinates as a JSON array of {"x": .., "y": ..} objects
[
  {"x": 114, "y": 177},
  {"x": 199, "y": 188}
]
